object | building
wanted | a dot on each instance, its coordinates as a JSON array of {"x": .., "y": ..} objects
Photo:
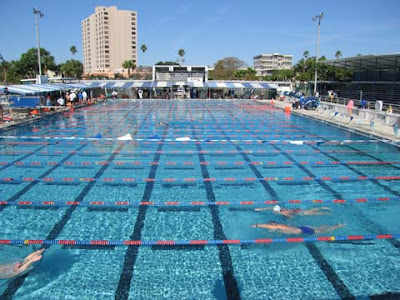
[
  {"x": 109, "y": 37},
  {"x": 375, "y": 77},
  {"x": 180, "y": 73},
  {"x": 264, "y": 64}
]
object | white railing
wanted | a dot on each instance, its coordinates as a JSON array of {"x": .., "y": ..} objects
[{"x": 370, "y": 104}]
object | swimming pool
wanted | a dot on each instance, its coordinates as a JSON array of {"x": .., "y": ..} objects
[{"x": 198, "y": 169}]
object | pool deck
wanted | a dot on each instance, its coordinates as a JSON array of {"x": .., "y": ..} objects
[{"x": 381, "y": 131}]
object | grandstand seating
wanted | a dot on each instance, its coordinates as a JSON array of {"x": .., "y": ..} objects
[
  {"x": 181, "y": 76},
  {"x": 387, "y": 92}
]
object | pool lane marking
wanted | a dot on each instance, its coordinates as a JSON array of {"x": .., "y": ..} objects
[
  {"x": 132, "y": 180},
  {"x": 15, "y": 284},
  {"x": 131, "y": 254},
  {"x": 372, "y": 226},
  {"x": 340, "y": 287},
  {"x": 21, "y": 163},
  {"x": 207, "y": 152},
  {"x": 230, "y": 282},
  {"x": 268, "y": 142},
  {"x": 54, "y": 203},
  {"x": 166, "y": 243}
]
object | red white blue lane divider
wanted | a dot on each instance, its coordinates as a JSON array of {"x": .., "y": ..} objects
[
  {"x": 194, "y": 203},
  {"x": 189, "y": 139},
  {"x": 59, "y": 152},
  {"x": 130, "y": 180},
  {"x": 193, "y": 163},
  {"x": 259, "y": 152},
  {"x": 359, "y": 237}
]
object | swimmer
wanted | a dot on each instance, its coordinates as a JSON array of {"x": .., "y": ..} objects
[
  {"x": 163, "y": 124},
  {"x": 12, "y": 270},
  {"x": 297, "y": 211},
  {"x": 273, "y": 226}
]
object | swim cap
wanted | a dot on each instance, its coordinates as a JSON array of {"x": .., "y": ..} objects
[{"x": 276, "y": 208}]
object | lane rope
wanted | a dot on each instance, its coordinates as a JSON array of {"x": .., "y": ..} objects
[
  {"x": 194, "y": 163},
  {"x": 194, "y": 179},
  {"x": 189, "y": 139},
  {"x": 359, "y": 237},
  {"x": 59, "y": 152},
  {"x": 50, "y": 203}
]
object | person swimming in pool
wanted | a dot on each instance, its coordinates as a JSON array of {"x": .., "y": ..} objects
[
  {"x": 297, "y": 211},
  {"x": 14, "y": 269},
  {"x": 273, "y": 226}
]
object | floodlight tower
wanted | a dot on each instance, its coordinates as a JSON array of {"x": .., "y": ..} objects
[
  {"x": 315, "y": 18},
  {"x": 38, "y": 14}
]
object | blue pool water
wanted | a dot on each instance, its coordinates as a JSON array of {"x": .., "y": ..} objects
[{"x": 234, "y": 142}]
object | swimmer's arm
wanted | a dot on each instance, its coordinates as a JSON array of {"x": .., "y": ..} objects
[
  {"x": 261, "y": 209},
  {"x": 266, "y": 226},
  {"x": 23, "y": 268}
]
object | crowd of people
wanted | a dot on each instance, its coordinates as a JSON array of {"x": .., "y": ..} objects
[{"x": 69, "y": 98}]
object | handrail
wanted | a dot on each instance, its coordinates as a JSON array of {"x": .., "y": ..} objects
[{"x": 344, "y": 101}]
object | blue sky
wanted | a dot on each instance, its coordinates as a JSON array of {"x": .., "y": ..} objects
[{"x": 209, "y": 30}]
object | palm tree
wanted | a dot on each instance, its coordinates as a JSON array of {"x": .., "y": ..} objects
[
  {"x": 181, "y": 53},
  {"x": 4, "y": 65},
  {"x": 73, "y": 50},
  {"x": 128, "y": 64},
  {"x": 306, "y": 54},
  {"x": 338, "y": 54},
  {"x": 143, "y": 48}
]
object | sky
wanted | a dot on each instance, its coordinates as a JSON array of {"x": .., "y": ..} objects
[{"x": 209, "y": 30}]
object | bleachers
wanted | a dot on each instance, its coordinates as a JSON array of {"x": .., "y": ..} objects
[
  {"x": 386, "y": 92},
  {"x": 181, "y": 76},
  {"x": 163, "y": 76}
]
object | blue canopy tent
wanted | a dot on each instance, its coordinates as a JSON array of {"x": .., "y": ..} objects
[{"x": 127, "y": 85}]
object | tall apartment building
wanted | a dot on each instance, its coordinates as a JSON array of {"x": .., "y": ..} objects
[
  {"x": 264, "y": 64},
  {"x": 109, "y": 37}
]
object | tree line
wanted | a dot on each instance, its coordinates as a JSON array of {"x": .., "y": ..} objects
[
  {"x": 27, "y": 66},
  {"x": 232, "y": 68},
  {"x": 228, "y": 68}
]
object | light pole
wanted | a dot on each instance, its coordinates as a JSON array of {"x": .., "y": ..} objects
[
  {"x": 38, "y": 13},
  {"x": 319, "y": 18}
]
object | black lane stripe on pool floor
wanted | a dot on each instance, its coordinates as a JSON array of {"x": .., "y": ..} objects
[
  {"x": 33, "y": 183},
  {"x": 371, "y": 225},
  {"x": 16, "y": 283},
  {"x": 339, "y": 286},
  {"x": 132, "y": 252},
  {"x": 230, "y": 282}
]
